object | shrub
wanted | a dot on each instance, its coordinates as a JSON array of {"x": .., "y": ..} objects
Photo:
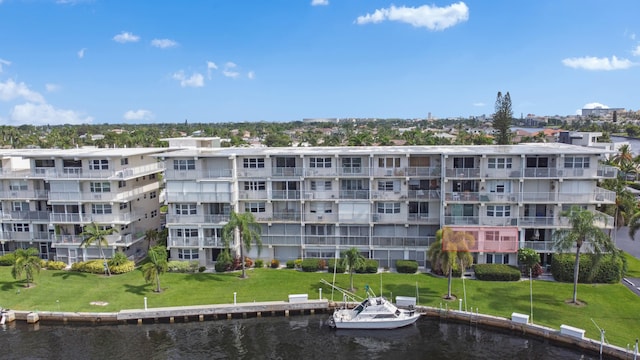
[
  {"x": 607, "y": 269},
  {"x": 97, "y": 267},
  {"x": 202, "y": 269},
  {"x": 298, "y": 263},
  {"x": 223, "y": 262},
  {"x": 248, "y": 262},
  {"x": 118, "y": 258},
  {"x": 370, "y": 267},
  {"x": 179, "y": 266},
  {"x": 407, "y": 266},
  {"x": 7, "y": 260},
  {"x": 259, "y": 264},
  {"x": 339, "y": 266},
  {"x": 55, "y": 265},
  {"x": 123, "y": 268},
  {"x": 496, "y": 272},
  {"x": 322, "y": 264},
  {"x": 291, "y": 264},
  {"x": 310, "y": 265}
]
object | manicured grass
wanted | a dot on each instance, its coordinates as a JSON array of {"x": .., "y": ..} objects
[
  {"x": 611, "y": 306},
  {"x": 633, "y": 270}
]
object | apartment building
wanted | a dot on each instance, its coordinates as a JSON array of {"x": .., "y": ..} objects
[
  {"x": 48, "y": 196},
  {"x": 386, "y": 201}
]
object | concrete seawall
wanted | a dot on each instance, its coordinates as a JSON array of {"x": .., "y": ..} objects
[{"x": 283, "y": 308}]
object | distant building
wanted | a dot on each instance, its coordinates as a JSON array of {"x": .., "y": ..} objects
[
  {"x": 601, "y": 111},
  {"x": 321, "y": 120}
]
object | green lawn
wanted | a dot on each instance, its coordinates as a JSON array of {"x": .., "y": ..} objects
[
  {"x": 633, "y": 270},
  {"x": 612, "y": 307}
]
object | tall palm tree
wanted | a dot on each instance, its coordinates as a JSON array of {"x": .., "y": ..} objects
[
  {"x": 583, "y": 230},
  {"x": 27, "y": 262},
  {"x": 157, "y": 265},
  {"x": 151, "y": 235},
  {"x": 451, "y": 249},
  {"x": 625, "y": 205},
  {"x": 248, "y": 231},
  {"x": 94, "y": 234},
  {"x": 352, "y": 259}
]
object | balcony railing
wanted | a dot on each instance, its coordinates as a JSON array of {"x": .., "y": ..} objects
[
  {"x": 287, "y": 171},
  {"x": 433, "y": 171},
  {"x": 465, "y": 196},
  {"x": 287, "y": 216},
  {"x": 462, "y": 173},
  {"x": 81, "y": 173},
  {"x": 354, "y": 171},
  {"x": 24, "y": 236},
  {"x": 253, "y": 195},
  {"x": 330, "y": 218},
  {"x": 198, "y": 197},
  {"x": 60, "y": 218},
  {"x": 197, "y": 219},
  {"x": 609, "y": 172},
  {"x": 285, "y": 194},
  {"x": 172, "y": 174},
  {"x": 509, "y": 173},
  {"x": 424, "y": 218},
  {"x": 423, "y": 195},
  {"x": 461, "y": 220},
  {"x": 25, "y": 215},
  {"x": 24, "y": 194},
  {"x": 354, "y": 194},
  {"x": 541, "y": 173}
]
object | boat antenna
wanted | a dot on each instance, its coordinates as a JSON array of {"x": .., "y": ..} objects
[{"x": 335, "y": 264}]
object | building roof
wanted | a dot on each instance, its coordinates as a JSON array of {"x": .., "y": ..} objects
[
  {"x": 520, "y": 149},
  {"x": 80, "y": 152}
]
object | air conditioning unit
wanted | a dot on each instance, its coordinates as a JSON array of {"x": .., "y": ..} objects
[
  {"x": 97, "y": 196},
  {"x": 375, "y": 218},
  {"x": 389, "y": 172}
]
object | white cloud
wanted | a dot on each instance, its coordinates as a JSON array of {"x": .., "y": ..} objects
[
  {"x": 139, "y": 114},
  {"x": 595, "y": 63},
  {"x": 81, "y": 53},
  {"x": 319, "y": 2},
  {"x": 195, "y": 80},
  {"x": 126, "y": 37},
  {"x": 52, "y": 87},
  {"x": 251, "y": 75},
  {"x": 30, "y": 113},
  {"x": 210, "y": 67},
  {"x": 4, "y": 62},
  {"x": 595, "y": 105},
  {"x": 479, "y": 104},
  {"x": 636, "y": 51},
  {"x": 163, "y": 43},
  {"x": 10, "y": 90},
  {"x": 229, "y": 70},
  {"x": 430, "y": 17}
]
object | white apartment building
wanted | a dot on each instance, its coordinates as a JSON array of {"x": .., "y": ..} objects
[
  {"x": 47, "y": 196},
  {"x": 386, "y": 201}
]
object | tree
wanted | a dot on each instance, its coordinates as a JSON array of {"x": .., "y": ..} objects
[
  {"x": 450, "y": 250},
  {"x": 157, "y": 265},
  {"x": 528, "y": 257},
  {"x": 583, "y": 230},
  {"x": 27, "y": 262},
  {"x": 502, "y": 119},
  {"x": 352, "y": 259},
  {"x": 248, "y": 231},
  {"x": 152, "y": 236},
  {"x": 95, "y": 234}
]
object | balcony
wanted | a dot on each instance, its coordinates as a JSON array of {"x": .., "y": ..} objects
[
  {"x": 320, "y": 195},
  {"x": 388, "y": 218},
  {"x": 14, "y": 173},
  {"x": 502, "y": 198},
  {"x": 354, "y": 171},
  {"x": 461, "y": 220},
  {"x": 607, "y": 172},
  {"x": 275, "y": 239},
  {"x": 24, "y": 236},
  {"x": 389, "y": 195},
  {"x": 198, "y": 197},
  {"x": 184, "y": 242},
  {"x": 510, "y": 173},
  {"x": 24, "y": 194},
  {"x": 423, "y": 195},
  {"x": 322, "y": 218},
  {"x": 320, "y": 172},
  {"x": 465, "y": 196},
  {"x": 253, "y": 195},
  {"x": 287, "y": 216},
  {"x": 462, "y": 173},
  {"x": 542, "y": 173},
  {"x": 389, "y": 172},
  {"x": 74, "y": 240},
  {"x": 285, "y": 194},
  {"x": 25, "y": 216},
  {"x": 402, "y": 241},
  {"x": 171, "y": 174},
  {"x": 424, "y": 219},
  {"x": 260, "y": 173},
  {"x": 80, "y": 173},
  {"x": 354, "y": 194},
  {"x": 287, "y": 172},
  {"x": 74, "y": 218},
  {"x": 197, "y": 219},
  {"x": 420, "y": 171}
]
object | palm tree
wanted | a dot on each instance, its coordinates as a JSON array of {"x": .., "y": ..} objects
[
  {"x": 625, "y": 205},
  {"x": 248, "y": 231},
  {"x": 27, "y": 262},
  {"x": 151, "y": 235},
  {"x": 450, "y": 249},
  {"x": 94, "y": 234},
  {"x": 352, "y": 259},
  {"x": 583, "y": 230},
  {"x": 157, "y": 265}
]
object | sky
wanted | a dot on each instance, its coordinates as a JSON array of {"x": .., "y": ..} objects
[{"x": 123, "y": 61}]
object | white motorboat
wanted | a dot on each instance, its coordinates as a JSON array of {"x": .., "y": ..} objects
[{"x": 374, "y": 312}]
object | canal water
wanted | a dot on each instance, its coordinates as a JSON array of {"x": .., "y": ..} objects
[{"x": 295, "y": 337}]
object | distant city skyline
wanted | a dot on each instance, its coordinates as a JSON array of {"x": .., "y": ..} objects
[{"x": 98, "y": 61}]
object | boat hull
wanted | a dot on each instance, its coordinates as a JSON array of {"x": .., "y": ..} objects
[{"x": 375, "y": 324}]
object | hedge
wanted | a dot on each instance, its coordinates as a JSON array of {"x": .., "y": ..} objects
[
  {"x": 291, "y": 264},
  {"x": 370, "y": 267},
  {"x": 183, "y": 266},
  {"x": 97, "y": 267},
  {"x": 259, "y": 264},
  {"x": 496, "y": 272},
  {"x": 7, "y": 260},
  {"x": 55, "y": 265},
  {"x": 339, "y": 266},
  {"x": 608, "y": 269},
  {"x": 407, "y": 266},
  {"x": 313, "y": 265}
]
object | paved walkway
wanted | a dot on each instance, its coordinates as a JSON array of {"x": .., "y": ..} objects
[{"x": 624, "y": 242}]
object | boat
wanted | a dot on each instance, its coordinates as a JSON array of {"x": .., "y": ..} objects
[{"x": 373, "y": 312}]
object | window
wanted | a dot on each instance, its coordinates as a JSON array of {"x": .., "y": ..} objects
[
  {"x": 100, "y": 208},
  {"x": 152, "y": 176},
  {"x": 122, "y": 184},
  {"x": 21, "y": 227},
  {"x": 254, "y": 185},
  {"x": 388, "y": 208},
  {"x": 321, "y": 185},
  {"x": 319, "y": 207},
  {"x": 184, "y": 164},
  {"x": 317, "y": 162},
  {"x": 499, "y": 210},
  {"x": 497, "y": 259},
  {"x": 186, "y": 209},
  {"x": 393, "y": 185},
  {"x": 99, "y": 164},
  {"x": 100, "y": 187},
  {"x": 124, "y": 206},
  {"x": 253, "y": 163},
  {"x": 321, "y": 230},
  {"x": 153, "y": 195},
  {"x": 500, "y": 163},
  {"x": 254, "y": 207},
  {"x": 537, "y": 162},
  {"x": 188, "y": 254},
  {"x": 45, "y": 163},
  {"x": 187, "y": 233},
  {"x": 463, "y": 163},
  {"x": 18, "y": 186},
  {"x": 577, "y": 162},
  {"x": 352, "y": 165},
  {"x": 124, "y": 161},
  {"x": 389, "y": 162},
  {"x": 19, "y": 206},
  {"x": 419, "y": 208}
]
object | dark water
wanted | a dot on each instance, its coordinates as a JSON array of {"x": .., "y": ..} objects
[{"x": 296, "y": 337}]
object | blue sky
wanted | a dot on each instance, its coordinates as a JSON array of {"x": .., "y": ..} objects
[{"x": 75, "y": 61}]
